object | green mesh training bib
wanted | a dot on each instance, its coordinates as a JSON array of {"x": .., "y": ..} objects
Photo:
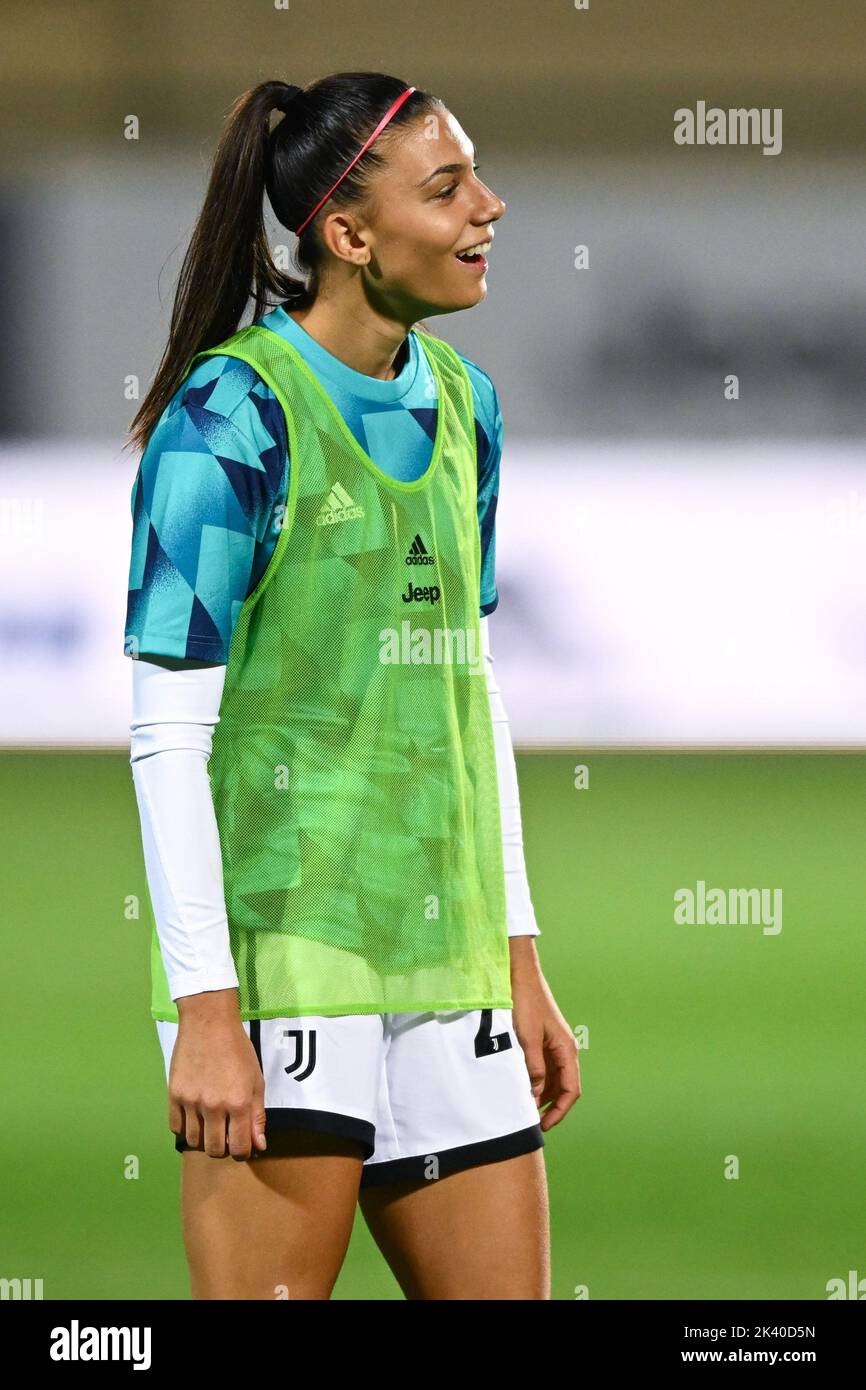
[{"x": 353, "y": 769}]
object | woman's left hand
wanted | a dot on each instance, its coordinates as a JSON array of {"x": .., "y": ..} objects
[{"x": 548, "y": 1043}]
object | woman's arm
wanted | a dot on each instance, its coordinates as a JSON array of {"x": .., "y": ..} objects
[
  {"x": 203, "y": 508},
  {"x": 175, "y": 708},
  {"x": 215, "y": 1089},
  {"x": 547, "y": 1041},
  {"x": 520, "y": 914}
]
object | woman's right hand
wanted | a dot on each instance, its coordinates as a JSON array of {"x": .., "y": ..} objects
[{"x": 216, "y": 1090}]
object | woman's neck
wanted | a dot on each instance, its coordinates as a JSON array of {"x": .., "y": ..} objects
[{"x": 370, "y": 344}]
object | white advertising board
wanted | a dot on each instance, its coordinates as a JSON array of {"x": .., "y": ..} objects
[{"x": 653, "y": 595}]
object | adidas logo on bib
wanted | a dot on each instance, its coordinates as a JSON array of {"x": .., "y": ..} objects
[
  {"x": 418, "y": 554},
  {"x": 338, "y": 506}
]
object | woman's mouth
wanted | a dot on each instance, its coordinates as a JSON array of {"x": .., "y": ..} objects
[
  {"x": 477, "y": 263},
  {"x": 473, "y": 257}
]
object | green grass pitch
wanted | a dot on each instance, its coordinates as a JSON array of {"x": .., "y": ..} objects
[{"x": 704, "y": 1041}]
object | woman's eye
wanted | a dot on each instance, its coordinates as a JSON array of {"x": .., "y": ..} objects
[{"x": 446, "y": 192}]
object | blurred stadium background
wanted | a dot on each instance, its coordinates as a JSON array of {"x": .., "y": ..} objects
[{"x": 682, "y": 603}]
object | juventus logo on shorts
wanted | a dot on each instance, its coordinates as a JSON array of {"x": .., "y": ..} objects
[{"x": 298, "y": 1035}]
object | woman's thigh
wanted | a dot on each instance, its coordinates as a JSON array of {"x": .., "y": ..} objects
[
  {"x": 482, "y": 1233},
  {"x": 270, "y": 1227}
]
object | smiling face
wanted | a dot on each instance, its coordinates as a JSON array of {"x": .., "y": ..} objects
[{"x": 424, "y": 207}]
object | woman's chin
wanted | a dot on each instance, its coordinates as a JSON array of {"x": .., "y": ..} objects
[{"x": 466, "y": 299}]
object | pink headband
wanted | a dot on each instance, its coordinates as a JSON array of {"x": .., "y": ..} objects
[{"x": 367, "y": 143}]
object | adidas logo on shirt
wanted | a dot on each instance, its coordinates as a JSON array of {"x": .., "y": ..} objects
[
  {"x": 338, "y": 506},
  {"x": 418, "y": 554}
]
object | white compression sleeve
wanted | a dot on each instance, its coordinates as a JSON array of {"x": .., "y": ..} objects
[
  {"x": 520, "y": 914},
  {"x": 174, "y": 713}
]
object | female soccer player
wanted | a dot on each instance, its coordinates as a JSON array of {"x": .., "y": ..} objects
[{"x": 344, "y": 977}]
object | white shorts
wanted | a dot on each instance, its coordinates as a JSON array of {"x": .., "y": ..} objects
[{"x": 425, "y": 1094}]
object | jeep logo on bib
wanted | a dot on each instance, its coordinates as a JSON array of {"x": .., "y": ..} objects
[{"x": 429, "y": 594}]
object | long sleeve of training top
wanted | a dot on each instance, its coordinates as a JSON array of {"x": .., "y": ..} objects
[
  {"x": 519, "y": 911},
  {"x": 174, "y": 715}
]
